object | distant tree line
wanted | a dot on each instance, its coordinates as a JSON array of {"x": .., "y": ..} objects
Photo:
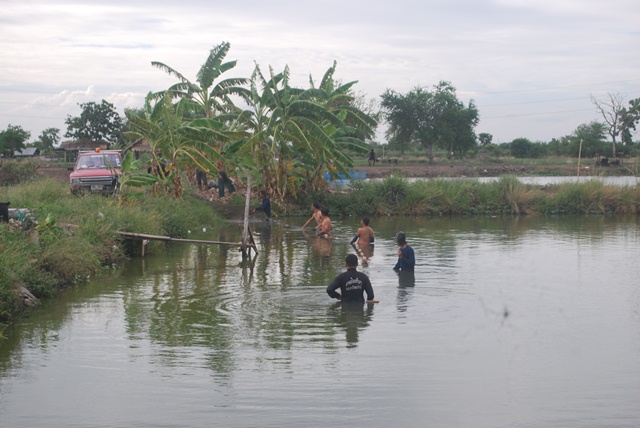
[{"x": 287, "y": 137}]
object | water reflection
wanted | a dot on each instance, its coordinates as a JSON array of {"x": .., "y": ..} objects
[
  {"x": 493, "y": 303},
  {"x": 352, "y": 318}
]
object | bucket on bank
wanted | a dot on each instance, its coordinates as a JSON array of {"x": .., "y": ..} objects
[{"x": 4, "y": 211}]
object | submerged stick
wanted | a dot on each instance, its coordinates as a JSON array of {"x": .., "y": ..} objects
[{"x": 365, "y": 261}]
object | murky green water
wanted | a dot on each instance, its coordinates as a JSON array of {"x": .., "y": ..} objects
[{"x": 524, "y": 322}]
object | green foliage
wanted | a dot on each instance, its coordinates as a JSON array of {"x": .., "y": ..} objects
[
  {"x": 132, "y": 176},
  {"x": 49, "y": 138},
  {"x": 212, "y": 96},
  {"x": 12, "y": 172},
  {"x": 523, "y": 148},
  {"x": 431, "y": 119},
  {"x": 630, "y": 117},
  {"x": 176, "y": 144},
  {"x": 13, "y": 139},
  {"x": 69, "y": 238},
  {"x": 97, "y": 122},
  {"x": 295, "y": 135},
  {"x": 505, "y": 196}
]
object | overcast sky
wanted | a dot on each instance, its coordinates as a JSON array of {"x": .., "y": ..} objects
[{"x": 529, "y": 65}]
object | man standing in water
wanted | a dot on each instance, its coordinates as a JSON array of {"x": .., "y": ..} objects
[
  {"x": 364, "y": 235},
  {"x": 325, "y": 227},
  {"x": 406, "y": 257},
  {"x": 265, "y": 205},
  {"x": 317, "y": 215},
  {"x": 352, "y": 284}
]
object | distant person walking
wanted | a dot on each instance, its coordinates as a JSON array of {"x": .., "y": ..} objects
[
  {"x": 201, "y": 179},
  {"x": 223, "y": 180},
  {"x": 372, "y": 158},
  {"x": 406, "y": 256}
]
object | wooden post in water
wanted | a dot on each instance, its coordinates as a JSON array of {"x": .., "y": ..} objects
[
  {"x": 245, "y": 229},
  {"x": 579, "y": 156}
]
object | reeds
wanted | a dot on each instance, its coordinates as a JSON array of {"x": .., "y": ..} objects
[
  {"x": 65, "y": 239},
  {"x": 505, "y": 196}
]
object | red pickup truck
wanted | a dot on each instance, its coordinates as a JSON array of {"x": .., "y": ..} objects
[{"x": 96, "y": 172}]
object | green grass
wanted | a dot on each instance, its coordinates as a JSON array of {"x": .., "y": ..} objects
[
  {"x": 68, "y": 238},
  {"x": 506, "y": 196}
]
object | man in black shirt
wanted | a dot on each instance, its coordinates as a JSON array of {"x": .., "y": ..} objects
[{"x": 352, "y": 284}]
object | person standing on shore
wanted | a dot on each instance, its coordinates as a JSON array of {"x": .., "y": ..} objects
[
  {"x": 223, "y": 180},
  {"x": 406, "y": 256}
]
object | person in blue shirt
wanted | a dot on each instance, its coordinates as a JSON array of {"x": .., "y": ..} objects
[
  {"x": 265, "y": 205},
  {"x": 406, "y": 257}
]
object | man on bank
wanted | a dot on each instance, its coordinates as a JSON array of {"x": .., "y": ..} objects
[{"x": 352, "y": 284}]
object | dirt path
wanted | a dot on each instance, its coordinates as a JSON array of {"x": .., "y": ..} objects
[
  {"x": 464, "y": 170},
  {"x": 383, "y": 170}
]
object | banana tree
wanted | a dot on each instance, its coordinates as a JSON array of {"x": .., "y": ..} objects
[
  {"x": 212, "y": 96},
  {"x": 177, "y": 143}
]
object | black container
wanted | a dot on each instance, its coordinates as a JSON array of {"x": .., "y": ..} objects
[{"x": 4, "y": 211}]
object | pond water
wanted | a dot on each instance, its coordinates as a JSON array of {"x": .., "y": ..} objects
[{"x": 516, "y": 322}]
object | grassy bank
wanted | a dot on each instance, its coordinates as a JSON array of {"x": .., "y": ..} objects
[
  {"x": 506, "y": 196},
  {"x": 65, "y": 239}
]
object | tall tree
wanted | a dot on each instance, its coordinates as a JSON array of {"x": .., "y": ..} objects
[
  {"x": 485, "y": 138},
  {"x": 592, "y": 135},
  {"x": 13, "y": 139},
  {"x": 48, "y": 139},
  {"x": 431, "y": 118},
  {"x": 97, "y": 122},
  {"x": 611, "y": 111},
  {"x": 211, "y": 95},
  {"x": 630, "y": 119}
]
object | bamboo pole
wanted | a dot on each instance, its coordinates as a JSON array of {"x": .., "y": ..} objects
[
  {"x": 170, "y": 239},
  {"x": 245, "y": 228},
  {"x": 365, "y": 261},
  {"x": 579, "y": 156}
]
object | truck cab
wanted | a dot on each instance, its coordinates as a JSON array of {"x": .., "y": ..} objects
[{"x": 96, "y": 172}]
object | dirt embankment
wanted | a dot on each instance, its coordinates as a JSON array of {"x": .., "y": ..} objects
[
  {"x": 57, "y": 172},
  {"x": 429, "y": 171}
]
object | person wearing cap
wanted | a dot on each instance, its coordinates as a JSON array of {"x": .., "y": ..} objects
[
  {"x": 406, "y": 256},
  {"x": 352, "y": 284}
]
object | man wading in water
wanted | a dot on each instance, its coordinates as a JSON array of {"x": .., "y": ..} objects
[{"x": 352, "y": 284}]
